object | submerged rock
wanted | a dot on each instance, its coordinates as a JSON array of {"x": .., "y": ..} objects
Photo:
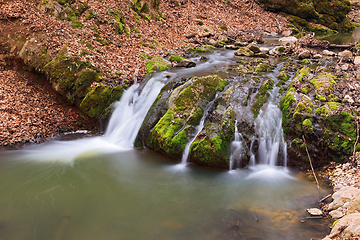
[{"x": 243, "y": 51}]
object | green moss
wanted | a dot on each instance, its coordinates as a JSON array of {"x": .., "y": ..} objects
[
  {"x": 174, "y": 58},
  {"x": 157, "y": 64},
  {"x": 295, "y": 140},
  {"x": 89, "y": 15},
  {"x": 283, "y": 76},
  {"x": 262, "y": 96},
  {"x": 325, "y": 109},
  {"x": 300, "y": 74},
  {"x": 321, "y": 98},
  {"x": 75, "y": 23},
  {"x": 324, "y": 85},
  {"x": 84, "y": 52},
  {"x": 285, "y": 103},
  {"x": 127, "y": 31},
  {"x": 96, "y": 100},
  {"x": 89, "y": 46},
  {"x": 103, "y": 41},
  {"x": 305, "y": 90},
  {"x": 303, "y": 110},
  {"x": 282, "y": 90},
  {"x": 307, "y": 126},
  {"x": 82, "y": 8},
  {"x": 84, "y": 81}
]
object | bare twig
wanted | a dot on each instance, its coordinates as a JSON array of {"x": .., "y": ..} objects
[
  {"x": 277, "y": 23},
  {"x": 357, "y": 138},
  {"x": 312, "y": 168},
  {"x": 324, "y": 198}
]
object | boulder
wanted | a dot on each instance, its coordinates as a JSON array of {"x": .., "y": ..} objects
[
  {"x": 357, "y": 60},
  {"x": 244, "y": 51},
  {"x": 223, "y": 38},
  {"x": 317, "y": 56},
  {"x": 291, "y": 39},
  {"x": 278, "y": 50},
  {"x": 214, "y": 43},
  {"x": 253, "y": 47},
  {"x": 345, "y": 194},
  {"x": 345, "y": 53},
  {"x": 352, "y": 224},
  {"x": 187, "y": 63},
  {"x": 264, "y": 50},
  {"x": 304, "y": 54},
  {"x": 328, "y": 53}
]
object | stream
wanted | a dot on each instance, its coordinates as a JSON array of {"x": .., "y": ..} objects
[{"x": 103, "y": 188}]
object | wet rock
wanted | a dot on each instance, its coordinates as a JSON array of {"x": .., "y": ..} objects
[
  {"x": 253, "y": 47},
  {"x": 278, "y": 50},
  {"x": 187, "y": 63},
  {"x": 314, "y": 211},
  {"x": 329, "y": 53},
  {"x": 288, "y": 39},
  {"x": 214, "y": 43},
  {"x": 223, "y": 38},
  {"x": 357, "y": 60},
  {"x": 240, "y": 43},
  {"x": 345, "y": 53},
  {"x": 244, "y": 51},
  {"x": 264, "y": 50},
  {"x": 336, "y": 214},
  {"x": 352, "y": 224},
  {"x": 317, "y": 56},
  {"x": 233, "y": 47},
  {"x": 304, "y": 54}
]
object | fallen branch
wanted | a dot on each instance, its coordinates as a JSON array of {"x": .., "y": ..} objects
[
  {"x": 324, "y": 198},
  {"x": 337, "y": 232},
  {"x": 312, "y": 169}
]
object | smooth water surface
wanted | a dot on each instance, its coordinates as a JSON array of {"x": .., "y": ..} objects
[{"x": 134, "y": 195}]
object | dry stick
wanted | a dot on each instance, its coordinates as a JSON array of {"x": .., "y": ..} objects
[
  {"x": 357, "y": 138},
  {"x": 317, "y": 182}
]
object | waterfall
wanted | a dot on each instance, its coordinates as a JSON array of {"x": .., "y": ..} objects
[
  {"x": 237, "y": 150},
  {"x": 130, "y": 112},
  {"x": 198, "y": 129}
]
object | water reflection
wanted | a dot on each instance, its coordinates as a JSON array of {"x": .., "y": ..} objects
[{"x": 134, "y": 195}]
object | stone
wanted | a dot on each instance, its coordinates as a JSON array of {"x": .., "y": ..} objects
[
  {"x": 348, "y": 99},
  {"x": 304, "y": 54},
  {"x": 317, "y": 56},
  {"x": 233, "y": 47},
  {"x": 243, "y": 51},
  {"x": 278, "y": 50},
  {"x": 352, "y": 224},
  {"x": 214, "y": 43},
  {"x": 329, "y": 53},
  {"x": 354, "y": 205},
  {"x": 314, "y": 211},
  {"x": 336, "y": 214},
  {"x": 204, "y": 34},
  {"x": 357, "y": 60},
  {"x": 191, "y": 35},
  {"x": 187, "y": 63},
  {"x": 223, "y": 38},
  {"x": 288, "y": 39},
  {"x": 253, "y": 47},
  {"x": 287, "y": 33},
  {"x": 344, "y": 67},
  {"x": 264, "y": 50},
  {"x": 345, "y": 53},
  {"x": 199, "y": 21},
  {"x": 340, "y": 197}
]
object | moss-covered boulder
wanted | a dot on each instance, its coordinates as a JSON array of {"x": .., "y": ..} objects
[
  {"x": 262, "y": 96},
  {"x": 157, "y": 64},
  {"x": 99, "y": 98},
  {"x": 177, "y": 111},
  {"x": 328, "y": 126},
  {"x": 332, "y": 14}
]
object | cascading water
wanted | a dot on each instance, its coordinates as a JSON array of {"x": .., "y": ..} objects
[
  {"x": 236, "y": 148},
  {"x": 198, "y": 129}
]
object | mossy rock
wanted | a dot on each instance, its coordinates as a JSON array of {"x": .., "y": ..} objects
[
  {"x": 99, "y": 98},
  {"x": 324, "y": 85},
  {"x": 283, "y": 76},
  {"x": 262, "y": 96},
  {"x": 170, "y": 134},
  {"x": 326, "y": 108},
  {"x": 157, "y": 64},
  {"x": 174, "y": 58},
  {"x": 84, "y": 81}
]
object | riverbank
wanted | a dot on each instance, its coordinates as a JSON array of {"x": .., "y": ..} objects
[{"x": 345, "y": 206}]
